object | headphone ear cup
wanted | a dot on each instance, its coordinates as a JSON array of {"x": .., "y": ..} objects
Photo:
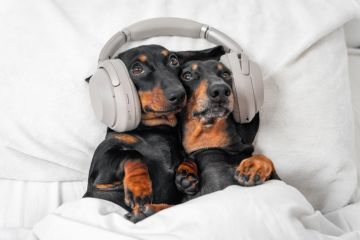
[
  {"x": 246, "y": 105},
  {"x": 114, "y": 96},
  {"x": 102, "y": 97},
  {"x": 128, "y": 110}
]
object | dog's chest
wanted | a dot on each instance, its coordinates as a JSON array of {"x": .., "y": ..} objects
[
  {"x": 162, "y": 154},
  {"x": 198, "y": 136},
  {"x": 159, "y": 147},
  {"x": 216, "y": 169}
]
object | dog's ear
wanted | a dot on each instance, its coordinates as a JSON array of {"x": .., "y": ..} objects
[
  {"x": 207, "y": 54},
  {"x": 88, "y": 79}
]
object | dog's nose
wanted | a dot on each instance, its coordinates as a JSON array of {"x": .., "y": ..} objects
[
  {"x": 176, "y": 98},
  {"x": 219, "y": 92}
]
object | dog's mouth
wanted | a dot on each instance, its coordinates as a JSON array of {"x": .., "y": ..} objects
[
  {"x": 150, "y": 111},
  {"x": 155, "y": 118},
  {"x": 211, "y": 113}
]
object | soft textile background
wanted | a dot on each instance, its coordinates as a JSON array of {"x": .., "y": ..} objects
[
  {"x": 48, "y": 131},
  {"x": 306, "y": 125},
  {"x": 354, "y": 73},
  {"x": 277, "y": 211}
]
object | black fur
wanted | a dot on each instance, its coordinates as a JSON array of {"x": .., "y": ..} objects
[
  {"x": 216, "y": 164},
  {"x": 159, "y": 146}
]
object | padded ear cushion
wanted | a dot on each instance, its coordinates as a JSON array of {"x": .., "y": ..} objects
[
  {"x": 117, "y": 105},
  {"x": 258, "y": 84},
  {"x": 246, "y": 105}
]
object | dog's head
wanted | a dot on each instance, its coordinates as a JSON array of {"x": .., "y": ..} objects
[
  {"x": 208, "y": 86},
  {"x": 155, "y": 72}
]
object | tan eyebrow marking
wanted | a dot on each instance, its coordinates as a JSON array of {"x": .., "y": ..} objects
[
  {"x": 165, "y": 52},
  {"x": 194, "y": 66},
  {"x": 143, "y": 58},
  {"x": 220, "y": 66}
]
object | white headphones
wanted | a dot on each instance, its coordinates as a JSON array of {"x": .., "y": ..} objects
[{"x": 115, "y": 99}]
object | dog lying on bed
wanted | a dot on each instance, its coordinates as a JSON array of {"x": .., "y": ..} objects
[
  {"x": 136, "y": 169},
  {"x": 221, "y": 148}
]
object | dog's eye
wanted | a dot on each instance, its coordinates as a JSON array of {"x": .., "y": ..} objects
[
  {"x": 186, "y": 76},
  {"x": 137, "y": 69},
  {"x": 173, "y": 61},
  {"x": 226, "y": 75}
]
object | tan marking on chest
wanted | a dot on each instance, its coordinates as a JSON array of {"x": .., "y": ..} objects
[{"x": 198, "y": 136}]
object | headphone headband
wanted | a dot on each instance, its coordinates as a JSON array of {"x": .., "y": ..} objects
[
  {"x": 114, "y": 96},
  {"x": 166, "y": 27}
]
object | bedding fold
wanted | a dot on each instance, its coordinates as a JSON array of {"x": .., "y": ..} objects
[{"x": 278, "y": 211}]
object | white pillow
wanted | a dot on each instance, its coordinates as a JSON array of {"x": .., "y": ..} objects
[
  {"x": 48, "y": 131},
  {"x": 354, "y": 74},
  {"x": 306, "y": 124}
]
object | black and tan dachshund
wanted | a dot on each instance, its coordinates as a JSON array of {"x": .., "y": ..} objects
[
  {"x": 136, "y": 169},
  {"x": 219, "y": 149}
]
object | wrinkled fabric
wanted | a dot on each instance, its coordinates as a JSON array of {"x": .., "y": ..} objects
[{"x": 270, "y": 211}]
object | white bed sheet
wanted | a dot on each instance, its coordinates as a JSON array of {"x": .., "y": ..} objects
[
  {"x": 24, "y": 203},
  {"x": 29, "y": 202},
  {"x": 278, "y": 211}
]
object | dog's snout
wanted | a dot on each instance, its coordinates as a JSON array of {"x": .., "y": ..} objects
[
  {"x": 176, "y": 98},
  {"x": 219, "y": 92}
]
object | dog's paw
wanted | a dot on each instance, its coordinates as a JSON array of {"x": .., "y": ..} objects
[
  {"x": 138, "y": 194},
  {"x": 137, "y": 198},
  {"x": 187, "y": 183},
  {"x": 254, "y": 170},
  {"x": 137, "y": 185},
  {"x": 186, "y": 179},
  {"x": 140, "y": 213}
]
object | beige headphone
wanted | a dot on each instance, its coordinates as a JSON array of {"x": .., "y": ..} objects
[{"x": 114, "y": 97}]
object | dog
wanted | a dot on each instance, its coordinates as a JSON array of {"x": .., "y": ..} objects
[
  {"x": 219, "y": 149},
  {"x": 136, "y": 169}
]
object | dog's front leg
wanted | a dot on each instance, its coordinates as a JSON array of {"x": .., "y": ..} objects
[
  {"x": 137, "y": 188},
  {"x": 255, "y": 170}
]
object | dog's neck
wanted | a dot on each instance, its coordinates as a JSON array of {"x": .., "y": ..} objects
[{"x": 221, "y": 134}]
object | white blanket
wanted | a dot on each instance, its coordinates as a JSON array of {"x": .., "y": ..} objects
[{"x": 270, "y": 211}]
